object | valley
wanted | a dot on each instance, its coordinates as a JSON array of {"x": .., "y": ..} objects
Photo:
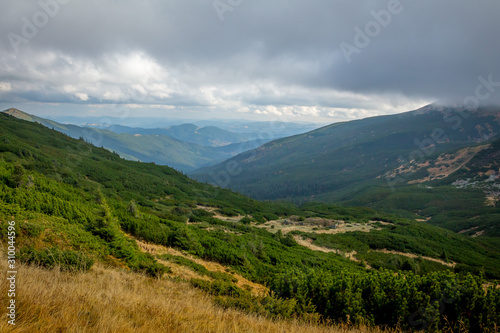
[
  {"x": 83, "y": 212},
  {"x": 234, "y": 166}
]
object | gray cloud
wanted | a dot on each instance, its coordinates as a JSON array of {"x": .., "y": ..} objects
[{"x": 265, "y": 57}]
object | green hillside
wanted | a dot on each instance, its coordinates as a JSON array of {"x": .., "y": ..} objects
[
  {"x": 357, "y": 163},
  {"x": 465, "y": 201},
  {"x": 75, "y": 204}
]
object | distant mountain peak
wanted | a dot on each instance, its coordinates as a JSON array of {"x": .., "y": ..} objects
[{"x": 18, "y": 114}]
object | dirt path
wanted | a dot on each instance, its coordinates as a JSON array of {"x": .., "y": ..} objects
[
  {"x": 219, "y": 216},
  {"x": 308, "y": 243},
  {"x": 352, "y": 255},
  {"x": 185, "y": 273},
  {"x": 411, "y": 255}
]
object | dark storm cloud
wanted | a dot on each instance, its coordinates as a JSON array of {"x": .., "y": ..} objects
[
  {"x": 378, "y": 56},
  {"x": 436, "y": 49}
]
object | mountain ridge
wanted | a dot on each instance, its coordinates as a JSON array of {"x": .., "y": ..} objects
[
  {"x": 148, "y": 147},
  {"x": 204, "y": 136}
]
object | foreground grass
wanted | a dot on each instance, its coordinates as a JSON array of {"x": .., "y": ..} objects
[{"x": 108, "y": 300}]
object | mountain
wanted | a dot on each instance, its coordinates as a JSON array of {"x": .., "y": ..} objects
[
  {"x": 262, "y": 129},
  {"x": 107, "y": 223},
  {"x": 273, "y": 129},
  {"x": 150, "y": 145},
  {"x": 382, "y": 162},
  {"x": 29, "y": 117},
  {"x": 203, "y": 136}
]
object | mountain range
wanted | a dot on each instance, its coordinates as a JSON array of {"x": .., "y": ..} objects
[
  {"x": 184, "y": 147},
  {"x": 203, "y": 136},
  {"x": 272, "y": 128}
]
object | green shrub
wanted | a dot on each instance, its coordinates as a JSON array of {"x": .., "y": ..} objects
[
  {"x": 31, "y": 229},
  {"x": 246, "y": 220},
  {"x": 67, "y": 260},
  {"x": 218, "y": 288},
  {"x": 156, "y": 270}
]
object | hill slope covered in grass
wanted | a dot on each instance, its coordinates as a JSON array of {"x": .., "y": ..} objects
[
  {"x": 80, "y": 207},
  {"x": 146, "y": 305}
]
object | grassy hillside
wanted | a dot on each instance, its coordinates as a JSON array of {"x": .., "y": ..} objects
[
  {"x": 146, "y": 305},
  {"x": 382, "y": 162},
  {"x": 79, "y": 207}
]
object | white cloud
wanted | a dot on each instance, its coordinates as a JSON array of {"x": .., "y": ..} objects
[
  {"x": 82, "y": 96},
  {"x": 5, "y": 86},
  {"x": 136, "y": 79}
]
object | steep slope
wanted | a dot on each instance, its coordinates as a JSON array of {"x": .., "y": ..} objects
[
  {"x": 150, "y": 146},
  {"x": 74, "y": 205}
]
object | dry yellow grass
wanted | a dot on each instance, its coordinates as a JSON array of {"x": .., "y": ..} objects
[
  {"x": 186, "y": 274},
  {"x": 108, "y": 300},
  {"x": 317, "y": 228}
]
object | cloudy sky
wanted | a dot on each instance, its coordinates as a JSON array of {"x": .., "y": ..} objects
[{"x": 307, "y": 60}]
